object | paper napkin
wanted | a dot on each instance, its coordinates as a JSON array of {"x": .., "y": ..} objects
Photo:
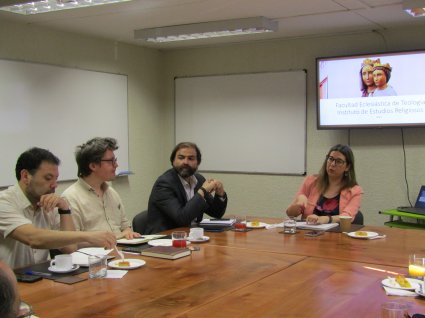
[
  {"x": 272, "y": 226},
  {"x": 398, "y": 292},
  {"x": 115, "y": 273}
]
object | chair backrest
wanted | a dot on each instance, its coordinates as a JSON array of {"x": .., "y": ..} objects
[
  {"x": 140, "y": 221},
  {"x": 358, "y": 219}
]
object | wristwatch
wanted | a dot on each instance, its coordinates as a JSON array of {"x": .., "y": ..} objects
[{"x": 60, "y": 211}]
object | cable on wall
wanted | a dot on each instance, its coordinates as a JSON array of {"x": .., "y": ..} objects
[{"x": 405, "y": 166}]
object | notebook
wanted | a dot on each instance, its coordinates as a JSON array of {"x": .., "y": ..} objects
[
  {"x": 216, "y": 225},
  {"x": 419, "y": 207}
]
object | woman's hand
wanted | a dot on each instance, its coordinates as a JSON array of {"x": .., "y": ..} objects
[
  {"x": 298, "y": 206},
  {"x": 314, "y": 219}
]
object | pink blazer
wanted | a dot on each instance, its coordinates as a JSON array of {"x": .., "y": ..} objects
[{"x": 349, "y": 200}]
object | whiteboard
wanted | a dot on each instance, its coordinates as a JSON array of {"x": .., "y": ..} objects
[
  {"x": 245, "y": 123},
  {"x": 58, "y": 108}
]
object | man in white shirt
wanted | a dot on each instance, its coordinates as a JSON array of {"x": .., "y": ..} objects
[
  {"x": 95, "y": 205},
  {"x": 33, "y": 219},
  {"x": 9, "y": 296}
]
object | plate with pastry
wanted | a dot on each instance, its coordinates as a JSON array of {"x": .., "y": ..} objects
[
  {"x": 401, "y": 282},
  {"x": 255, "y": 225},
  {"x": 127, "y": 263},
  {"x": 362, "y": 234}
]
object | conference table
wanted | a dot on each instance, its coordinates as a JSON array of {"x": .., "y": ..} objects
[{"x": 260, "y": 273}]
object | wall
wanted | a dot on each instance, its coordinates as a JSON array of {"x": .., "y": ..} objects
[
  {"x": 143, "y": 68},
  {"x": 378, "y": 153}
]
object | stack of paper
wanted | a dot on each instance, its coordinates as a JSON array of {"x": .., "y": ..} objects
[
  {"x": 140, "y": 240},
  {"x": 228, "y": 222},
  {"x": 317, "y": 227}
]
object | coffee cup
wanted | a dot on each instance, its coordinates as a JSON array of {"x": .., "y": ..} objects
[
  {"x": 345, "y": 223},
  {"x": 196, "y": 233},
  {"x": 62, "y": 262}
]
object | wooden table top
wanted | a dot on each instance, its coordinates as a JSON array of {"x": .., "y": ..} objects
[
  {"x": 393, "y": 250},
  {"x": 260, "y": 273}
]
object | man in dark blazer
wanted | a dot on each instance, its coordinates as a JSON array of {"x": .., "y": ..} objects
[{"x": 181, "y": 196}]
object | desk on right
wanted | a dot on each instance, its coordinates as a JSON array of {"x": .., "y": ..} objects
[{"x": 403, "y": 224}]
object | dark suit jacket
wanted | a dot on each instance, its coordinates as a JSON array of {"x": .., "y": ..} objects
[{"x": 168, "y": 207}]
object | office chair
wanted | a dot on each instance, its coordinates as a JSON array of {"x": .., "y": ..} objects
[
  {"x": 358, "y": 219},
  {"x": 140, "y": 221}
]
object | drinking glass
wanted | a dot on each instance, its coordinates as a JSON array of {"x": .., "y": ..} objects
[
  {"x": 240, "y": 223},
  {"x": 393, "y": 309},
  {"x": 417, "y": 265},
  {"x": 289, "y": 225},
  {"x": 179, "y": 238},
  {"x": 97, "y": 266}
]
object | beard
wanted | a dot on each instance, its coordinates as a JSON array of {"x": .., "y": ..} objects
[{"x": 185, "y": 171}]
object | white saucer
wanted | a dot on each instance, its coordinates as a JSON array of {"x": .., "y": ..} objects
[
  {"x": 199, "y": 240},
  {"x": 57, "y": 270},
  {"x": 134, "y": 263},
  {"x": 163, "y": 242}
]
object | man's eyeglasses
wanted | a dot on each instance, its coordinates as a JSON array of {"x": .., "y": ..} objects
[
  {"x": 338, "y": 162},
  {"x": 112, "y": 161}
]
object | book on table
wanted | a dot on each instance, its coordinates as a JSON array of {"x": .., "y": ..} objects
[{"x": 168, "y": 252}]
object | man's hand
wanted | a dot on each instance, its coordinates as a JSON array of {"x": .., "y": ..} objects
[
  {"x": 50, "y": 201},
  {"x": 209, "y": 185},
  {"x": 102, "y": 239},
  {"x": 129, "y": 234},
  {"x": 219, "y": 188}
]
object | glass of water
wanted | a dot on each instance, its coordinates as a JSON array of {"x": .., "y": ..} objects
[
  {"x": 97, "y": 266},
  {"x": 290, "y": 225}
]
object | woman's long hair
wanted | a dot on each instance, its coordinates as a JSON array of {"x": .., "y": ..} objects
[{"x": 348, "y": 178}]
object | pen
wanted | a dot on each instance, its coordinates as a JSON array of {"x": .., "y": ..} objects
[{"x": 38, "y": 274}]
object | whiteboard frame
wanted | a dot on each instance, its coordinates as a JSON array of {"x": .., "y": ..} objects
[
  {"x": 82, "y": 127},
  {"x": 301, "y": 170}
]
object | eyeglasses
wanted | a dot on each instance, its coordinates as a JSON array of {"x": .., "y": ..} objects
[
  {"x": 112, "y": 161},
  {"x": 338, "y": 162}
]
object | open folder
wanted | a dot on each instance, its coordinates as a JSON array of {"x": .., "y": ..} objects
[{"x": 81, "y": 256}]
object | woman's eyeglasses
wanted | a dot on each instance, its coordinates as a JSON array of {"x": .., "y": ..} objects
[{"x": 338, "y": 162}]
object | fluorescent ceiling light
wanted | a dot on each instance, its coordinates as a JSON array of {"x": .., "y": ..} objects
[
  {"x": 41, "y": 6},
  {"x": 415, "y": 8},
  {"x": 207, "y": 30}
]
